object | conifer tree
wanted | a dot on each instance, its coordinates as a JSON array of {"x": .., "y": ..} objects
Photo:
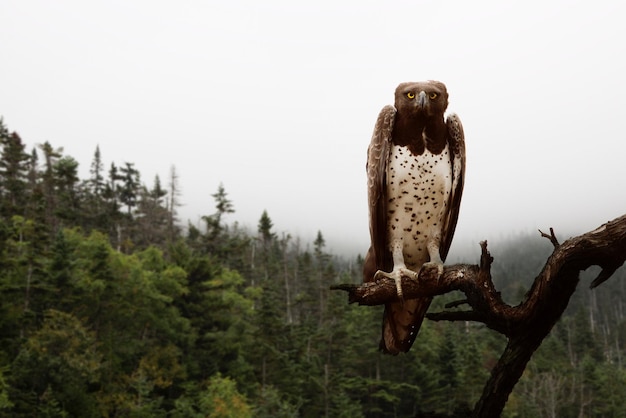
[
  {"x": 96, "y": 180},
  {"x": 216, "y": 237},
  {"x": 66, "y": 189},
  {"x": 152, "y": 217},
  {"x": 51, "y": 156},
  {"x": 223, "y": 206},
  {"x": 130, "y": 187},
  {"x": 13, "y": 173}
]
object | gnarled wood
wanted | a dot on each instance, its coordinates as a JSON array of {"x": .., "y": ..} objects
[{"x": 525, "y": 325}]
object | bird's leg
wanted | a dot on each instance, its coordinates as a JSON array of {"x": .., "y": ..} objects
[
  {"x": 399, "y": 268},
  {"x": 435, "y": 257}
]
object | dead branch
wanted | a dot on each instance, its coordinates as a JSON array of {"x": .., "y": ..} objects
[
  {"x": 525, "y": 325},
  {"x": 551, "y": 237}
]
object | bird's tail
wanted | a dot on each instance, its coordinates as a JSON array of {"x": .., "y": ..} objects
[{"x": 401, "y": 324}]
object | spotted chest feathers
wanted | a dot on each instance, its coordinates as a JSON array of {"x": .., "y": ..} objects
[{"x": 418, "y": 192}]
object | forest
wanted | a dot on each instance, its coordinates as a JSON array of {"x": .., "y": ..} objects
[{"x": 112, "y": 306}]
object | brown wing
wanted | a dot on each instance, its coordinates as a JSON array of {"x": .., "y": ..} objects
[
  {"x": 398, "y": 318},
  {"x": 456, "y": 143},
  {"x": 378, "y": 256}
]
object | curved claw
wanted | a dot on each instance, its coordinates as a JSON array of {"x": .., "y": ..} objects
[
  {"x": 382, "y": 274},
  {"x": 397, "y": 275},
  {"x": 434, "y": 264}
]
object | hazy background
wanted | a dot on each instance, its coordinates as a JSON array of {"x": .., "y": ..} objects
[{"x": 277, "y": 100}]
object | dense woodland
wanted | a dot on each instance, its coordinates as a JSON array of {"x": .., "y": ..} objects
[{"x": 112, "y": 306}]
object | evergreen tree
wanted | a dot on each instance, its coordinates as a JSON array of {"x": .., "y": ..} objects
[
  {"x": 94, "y": 193},
  {"x": 152, "y": 217},
  {"x": 216, "y": 237},
  {"x": 53, "y": 368},
  {"x": 224, "y": 206},
  {"x": 111, "y": 192},
  {"x": 236, "y": 321},
  {"x": 13, "y": 173},
  {"x": 265, "y": 229},
  {"x": 51, "y": 156},
  {"x": 36, "y": 204},
  {"x": 130, "y": 187},
  {"x": 96, "y": 180},
  {"x": 4, "y": 131},
  {"x": 66, "y": 188}
]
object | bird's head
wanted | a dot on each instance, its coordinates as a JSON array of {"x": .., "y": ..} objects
[{"x": 422, "y": 99}]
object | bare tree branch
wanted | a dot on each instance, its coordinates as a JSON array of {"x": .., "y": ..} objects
[
  {"x": 551, "y": 237},
  {"x": 525, "y": 325}
]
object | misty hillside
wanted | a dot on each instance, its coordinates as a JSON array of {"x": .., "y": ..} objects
[{"x": 113, "y": 306}]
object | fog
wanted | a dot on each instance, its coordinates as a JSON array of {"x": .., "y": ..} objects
[{"x": 277, "y": 100}]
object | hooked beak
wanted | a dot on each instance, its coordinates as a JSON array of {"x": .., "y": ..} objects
[{"x": 421, "y": 100}]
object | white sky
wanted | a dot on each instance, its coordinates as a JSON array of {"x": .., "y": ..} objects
[{"x": 277, "y": 100}]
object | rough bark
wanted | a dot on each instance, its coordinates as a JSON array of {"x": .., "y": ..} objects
[{"x": 524, "y": 325}]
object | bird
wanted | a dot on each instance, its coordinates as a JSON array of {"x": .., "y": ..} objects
[{"x": 415, "y": 176}]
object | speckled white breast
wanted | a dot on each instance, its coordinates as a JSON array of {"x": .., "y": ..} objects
[{"x": 418, "y": 191}]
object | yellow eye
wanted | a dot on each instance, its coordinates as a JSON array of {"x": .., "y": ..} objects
[
  {"x": 410, "y": 95},
  {"x": 433, "y": 95}
]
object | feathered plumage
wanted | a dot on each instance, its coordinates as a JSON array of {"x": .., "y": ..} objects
[{"x": 415, "y": 172}]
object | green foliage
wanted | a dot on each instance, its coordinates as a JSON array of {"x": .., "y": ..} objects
[
  {"x": 5, "y": 403},
  {"x": 54, "y": 365},
  {"x": 13, "y": 173},
  {"x": 107, "y": 310},
  {"x": 222, "y": 400}
]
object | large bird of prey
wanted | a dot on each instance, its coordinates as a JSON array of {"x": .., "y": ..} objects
[{"x": 415, "y": 171}]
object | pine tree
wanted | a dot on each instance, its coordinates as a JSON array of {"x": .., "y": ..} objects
[
  {"x": 65, "y": 171},
  {"x": 216, "y": 239},
  {"x": 324, "y": 272},
  {"x": 130, "y": 187},
  {"x": 151, "y": 220},
  {"x": 265, "y": 229},
  {"x": 51, "y": 156},
  {"x": 13, "y": 173},
  {"x": 35, "y": 206},
  {"x": 112, "y": 215},
  {"x": 96, "y": 181},
  {"x": 224, "y": 206}
]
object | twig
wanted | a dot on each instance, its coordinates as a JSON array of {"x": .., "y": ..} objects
[{"x": 551, "y": 237}]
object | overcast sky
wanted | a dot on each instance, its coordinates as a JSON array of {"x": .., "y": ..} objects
[{"x": 277, "y": 100}]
